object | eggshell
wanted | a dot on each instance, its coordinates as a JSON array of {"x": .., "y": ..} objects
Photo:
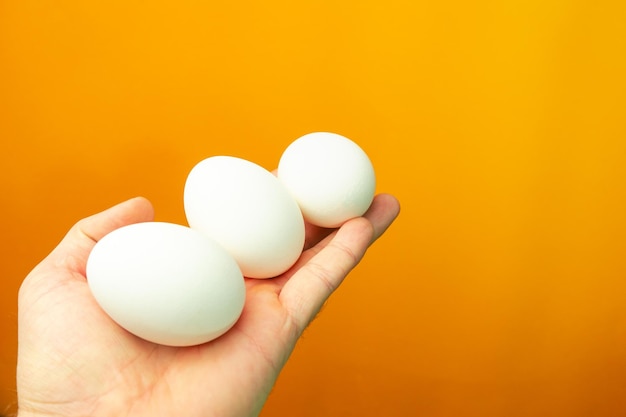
[
  {"x": 248, "y": 211},
  {"x": 330, "y": 176},
  {"x": 166, "y": 283}
]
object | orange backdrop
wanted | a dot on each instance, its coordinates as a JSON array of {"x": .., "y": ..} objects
[{"x": 500, "y": 290}]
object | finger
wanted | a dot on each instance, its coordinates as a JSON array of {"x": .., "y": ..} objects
[
  {"x": 307, "y": 289},
  {"x": 384, "y": 210},
  {"x": 321, "y": 269},
  {"x": 381, "y": 213},
  {"x": 73, "y": 251},
  {"x": 135, "y": 210}
]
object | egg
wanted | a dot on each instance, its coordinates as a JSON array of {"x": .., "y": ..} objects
[
  {"x": 330, "y": 176},
  {"x": 166, "y": 283},
  {"x": 248, "y": 211}
]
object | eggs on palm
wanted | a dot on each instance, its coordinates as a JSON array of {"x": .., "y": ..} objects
[
  {"x": 248, "y": 211},
  {"x": 184, "y": 285},
  {"x": 166, "y": 283},
  {"x": 330, "y": 176}
]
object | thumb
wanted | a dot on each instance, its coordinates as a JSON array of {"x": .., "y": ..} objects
[{"x": 72, "y": 252}]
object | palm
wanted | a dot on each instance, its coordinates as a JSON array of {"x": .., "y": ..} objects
[{"x": 74, "y": 360}]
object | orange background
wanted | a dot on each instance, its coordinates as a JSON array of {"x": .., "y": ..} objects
[{"x": 500, "y": 290}]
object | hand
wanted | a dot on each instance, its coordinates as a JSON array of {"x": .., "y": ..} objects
[{"x": 73, "y": 360}]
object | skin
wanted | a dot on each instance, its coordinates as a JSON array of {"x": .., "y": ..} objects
[{"x": 73, "y": 360}]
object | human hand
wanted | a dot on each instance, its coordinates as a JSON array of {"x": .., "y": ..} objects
[{"x": 73, "y": 360}]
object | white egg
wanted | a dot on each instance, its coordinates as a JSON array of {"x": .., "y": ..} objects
[
  {"x": 166, "y": 283},
  {"x": 330, "y": 176},
  {"x": 247, "y": 210}
]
